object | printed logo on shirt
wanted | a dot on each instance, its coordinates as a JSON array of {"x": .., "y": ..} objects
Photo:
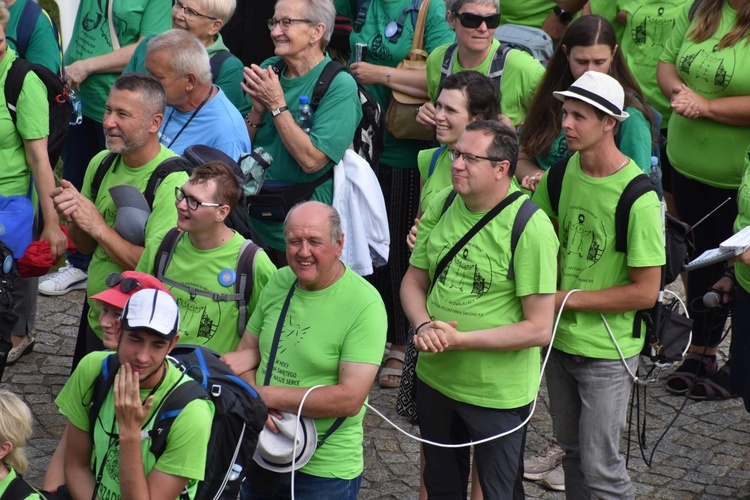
[
  {"x": 652, "y": 23},
  {"x": 466, "y": 278},
  {"x": 378, "y": 49},
  {"x": 583, "y": 239},
  {"x": 709, "y": 69}
]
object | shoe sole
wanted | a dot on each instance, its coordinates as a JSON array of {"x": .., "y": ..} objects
[
  {"x": 531, "y": 476},
  {"x": 553, "y": 487},
  {"x": 78, "y": 286},
  {"x": 26, "y": 350}
]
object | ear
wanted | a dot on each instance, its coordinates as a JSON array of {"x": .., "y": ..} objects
[
  {"x": 216, "y": 27},
  {"x": 609, "y": 123},
  {"x": 222, "y": 212},
  {"x": 452, "y": 20},
  {"x": 173, "y": 343},
  {"x": 154, "y": 123},
  {"x": 564, "y": 50},
  {"x": 340, "y": 246},
  {"x": 191, "y": 81},
  {"x": 614, "y": 51},
  {"x": 5, "y": 448},
  {"x": 316, "y": 34},
  {"x": 503, "y": 167}
]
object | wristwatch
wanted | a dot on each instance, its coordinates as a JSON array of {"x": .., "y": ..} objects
[
  {"x": 564, "y": 16},
  {"x": 276, "y": 112}
]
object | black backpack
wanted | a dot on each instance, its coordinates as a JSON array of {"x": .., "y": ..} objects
[
  {"x": 194, "y": 156},
  {"x": 19, "y": 489},
  {"x": 243, "y": 284},
  {"x": 369, "y": 136},
  {"x": 8, "y": 317},
  {"x": 57, "y": 97},
  {"x": 239, "y": 416}
]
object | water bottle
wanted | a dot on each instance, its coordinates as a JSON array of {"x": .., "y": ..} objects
[
  {"x": 76, "y": 116},
  {"x": 656, "y": 176},
  {"x": 305, "y": 114},
  {"x": 236, "y": 471}
]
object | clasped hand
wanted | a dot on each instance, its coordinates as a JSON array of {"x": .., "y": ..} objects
[
  {"x": 437, "y": 336},
  {"x": 74, "y": 207},
  {"x": 263, "y": 87}
]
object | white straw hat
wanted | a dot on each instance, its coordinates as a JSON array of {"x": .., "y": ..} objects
[
  {"x": 275, "y": 450},
  {"x": 599, "y": 90}
]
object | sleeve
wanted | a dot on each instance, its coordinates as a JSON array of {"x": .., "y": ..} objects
[
  {"x": 33, "y": 119},
  {"x": 229, "y": 79},
  {"x": 434, "y": 63},
  {"x": 263, "y": 269},
  {"x": 541, "y": 198},
  {"x": 437, "y": 31},
  {"x": 675, "y": 40},
  {"x": 424, "y": 158},
  {"x": 75, "y": 395},
  {"x": 43, "y": 48},
  {"x": 419, "y": 257},
  {"x": 339, "y": 111},
  {"x": 645, "y": 236},
  {"x": 364, "y": 342},
  {"x": 137, "y": 63},
  {"x": 164, "y": 213},
  {"x": 520, "y": 79},
  {"x": 157, "y": 17},
  {"x": 187, "y": 442},
  {"x": 635, "y": 139},
  {"x": 535, "y": 257}
]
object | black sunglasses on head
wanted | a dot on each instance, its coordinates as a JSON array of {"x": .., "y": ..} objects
[
  {"x": 127, "y": 285},
  {"x": 469, "y": 20}
]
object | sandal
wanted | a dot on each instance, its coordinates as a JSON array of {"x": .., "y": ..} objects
[
  {"x": 694, "y": 367},
  {"x": 394, "y": 372},
  {"x": 713, "y": 388}
]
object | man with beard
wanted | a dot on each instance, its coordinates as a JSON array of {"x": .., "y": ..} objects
[{"x": 132, "y": 117}]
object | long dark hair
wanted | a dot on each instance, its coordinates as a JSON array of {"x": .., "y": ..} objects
[
  {"x": 480, "y": 92},
  {"x": 543, "y": 121}
]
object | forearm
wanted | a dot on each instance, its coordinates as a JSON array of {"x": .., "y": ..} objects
[
  {"x": 617, "y": 299},
  {"x": 79, "y": 480},
  {"x": 571, "y": 6},
  {"x": 85, "y": 244},
  {"x": 527, "y": 167},
  {"x": 133, "y": 483},
  {"x": 112, "y": 62},
  {"x": 414, "y": 297},
  {"x": 409, "y": 81},
  {"x": 299, "y": 144},
  {"x": 325, "y": 402},
  {"x": 734, "y": 110},
  {"x": 256, "y": 118},
  {"x": 667, "y": 78},
  {"x": 44, "y": 183},
  {"x": 122, "y": 252}
]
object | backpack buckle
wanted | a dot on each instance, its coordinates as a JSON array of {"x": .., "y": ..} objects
[{"x": 215, "y": 391}]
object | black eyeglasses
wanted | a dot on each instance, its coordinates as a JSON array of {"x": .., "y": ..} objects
[
  {"x": 455, "y": 154},
  {"x": 469, "y": 20},
  {"x": 127, "y": 285},
  {"x": 190, "y": 12},
  {"x": 285, "y": 22},
  {"x": 191, "y": 202}
]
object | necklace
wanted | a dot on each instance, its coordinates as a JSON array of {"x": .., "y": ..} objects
[
  {"x": 627, "y": 160},
  {"x": 166, "y": 124}
]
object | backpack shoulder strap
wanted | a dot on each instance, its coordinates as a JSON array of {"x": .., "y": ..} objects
[
  {"x": 14, "y": 83},
  {"x": 243, "y": 283},
  {"x": 217, "y": 60},
  {"x": 168, "y": 166},
  {"x": 101, "y": 171},
  {"x": 497, "y": 66},
  {"x": 555, "y": 176},
  {"x": 18, "y": 489},
  {"x": 171, "y": 407},
  {"x": 637, "y": 187},
  {"x": 447, "y": 66},
  {"x": 100, "y": 388},
  {"x": 527, "y": 209},
  {"x": 165, "y": 251},
  {"x": 26, "y": 24},
  {"x": 362, "y": 7},
  {"x": 330, "y": 71},
  {"x": 333, "y": 428},
  {"x": 448, "y": 201},
  {"x": 433, "y": 161}
]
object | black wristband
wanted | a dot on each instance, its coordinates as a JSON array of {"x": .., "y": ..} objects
[
  {"x": 564, "y": 16},
  {"x": 416, "y": 330}
]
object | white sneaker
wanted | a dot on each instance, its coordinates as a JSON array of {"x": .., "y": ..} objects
[
  {"x": 66, "y": 279},
  {"x": 554, "y": 479},
  {"x": 543, "y": 462}
]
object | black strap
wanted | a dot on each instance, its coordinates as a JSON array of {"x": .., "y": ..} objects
[
  {"x": 333, "y": 428},
  {"x": 101, "y": 171},
  {"x": 527, "y": 209},
  {"x": 359, "y": 21},
  {"x": 172, "y": 405},
  {"x": 277, "y": 334},
  {"x": 637, "y": 187},
  {"x": 494, "y": 72},
  {"x": 217, "y": 60},
  {"x": 14, "y": 83},
  {"x": 18, "y": 489},
  {"x": 470, "y": 234},
  {"x": 555, "y": 176},
  {"x": 331, "y": 69}
]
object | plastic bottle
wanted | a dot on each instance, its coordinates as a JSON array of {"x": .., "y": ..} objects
[
  {"x": 236, "y": 471},
  {"x": 656, "y": 175},
  {"x": 305, "y": 114},
  {"x": 76, "y": 116}
]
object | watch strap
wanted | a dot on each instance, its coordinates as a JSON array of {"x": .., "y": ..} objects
[{"x": 277, "y": 112}]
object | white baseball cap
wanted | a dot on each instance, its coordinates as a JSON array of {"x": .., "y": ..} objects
[{"x": 153, "y": 310}]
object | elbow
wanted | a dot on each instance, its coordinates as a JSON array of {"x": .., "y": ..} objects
[
  {"x": 542, "y": 336},
  {"x": 352, "y": 406},
  {"x": 313, "y": 165}
]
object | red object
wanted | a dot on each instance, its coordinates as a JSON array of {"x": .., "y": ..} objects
[{"x": 37, "y": 261}]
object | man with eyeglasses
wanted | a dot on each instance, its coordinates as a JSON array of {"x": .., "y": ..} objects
[
  {"x": 205, "y": 19},
  {"x": 202, "y": 267},
  {"x": 480, "y": 308},
  {"x": 134, "y": 114},
  {"x": 198, "y": 112}
]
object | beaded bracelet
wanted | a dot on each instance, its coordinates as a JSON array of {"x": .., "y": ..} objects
[{"x": 251, "y": 124}]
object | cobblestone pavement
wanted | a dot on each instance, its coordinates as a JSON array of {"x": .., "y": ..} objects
[{"x": 705, "y": 455}]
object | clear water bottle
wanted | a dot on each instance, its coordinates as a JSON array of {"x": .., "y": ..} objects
[
  {"x": 76, "y": 116},
  {"x": 656, "y": 175},
  {"x": 236, "y": 471},
  {"x": 305, "y": 114}
]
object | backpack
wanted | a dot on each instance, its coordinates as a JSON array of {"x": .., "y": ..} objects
[
  {"x": 194, "y": 156},
  {"x": 27, "y": 21},
  {"x": 239, "y": 415},
  {"x": 369, "y": 136},
  {"x": 19, "y": 489},
  {"x": 8, "y": 317},
  {"x": 243, "y": 283},
  {"x": 497, "y": 66},
  {"x": 57, "y": 97},
  {"x": 533, "y": 41},
  {"x": 433, "y": 164},
  {"x": 217, "y": 60},
  {"x": 527, "y": 209},
  {"x": 364, "y": 5}
]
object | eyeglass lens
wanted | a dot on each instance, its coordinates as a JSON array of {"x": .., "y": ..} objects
[{"x": 469, "y": 20}]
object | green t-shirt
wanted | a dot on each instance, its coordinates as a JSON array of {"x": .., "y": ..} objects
[
  {"x": 42, "y": 47},
  {"x": 705, "y": 150},
  {"x": 475, "y": 291},
  {"x": 334, "y": 122},
  {"x": 608, "y": 9},
  {"x": 203, "y": 320},
  {"x": 525, "y": 12},
  {"x": 440, "y": 178},
  {"x": 185, "y": 454},
  {"x": 520, "y": 78},
  {"x": 33, "y": 123},
  {"x": 398, "y": 153},
  {"x": 9, "y": 479},
  {"x": 344, "y": 322},
  {"x": 163, "y": 215},
  {"x": 743, "y": 220},
  {"x": 648, "y": 27},
  {"x": 588, "y": 259},
  {"x": 133, "y": 19},
  {"x": 228, "y": 80}
]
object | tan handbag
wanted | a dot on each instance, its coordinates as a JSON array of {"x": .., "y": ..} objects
[{"x": 401, "y": 117}]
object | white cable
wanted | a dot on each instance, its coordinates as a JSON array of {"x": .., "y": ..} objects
[{"x": 296, "y": 429}]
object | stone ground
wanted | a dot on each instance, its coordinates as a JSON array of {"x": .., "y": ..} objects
[{"x": 705, "y": 455}]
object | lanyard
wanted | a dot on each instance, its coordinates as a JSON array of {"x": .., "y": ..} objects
[{"x": 166, "y": 124}]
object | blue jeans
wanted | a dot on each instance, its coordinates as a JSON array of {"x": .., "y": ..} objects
[
  {"x": 589, "y": 402},
  {"x": 262, "y": 484}
]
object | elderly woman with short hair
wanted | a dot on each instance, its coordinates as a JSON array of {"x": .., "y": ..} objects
[
  {"x": 301, "y": 30},
  {"x": 204, "y": 19}
]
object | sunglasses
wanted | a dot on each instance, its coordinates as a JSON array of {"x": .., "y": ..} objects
[
  {"x": 127, "y": 285},
  {"x": 469, "y": 20}
]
